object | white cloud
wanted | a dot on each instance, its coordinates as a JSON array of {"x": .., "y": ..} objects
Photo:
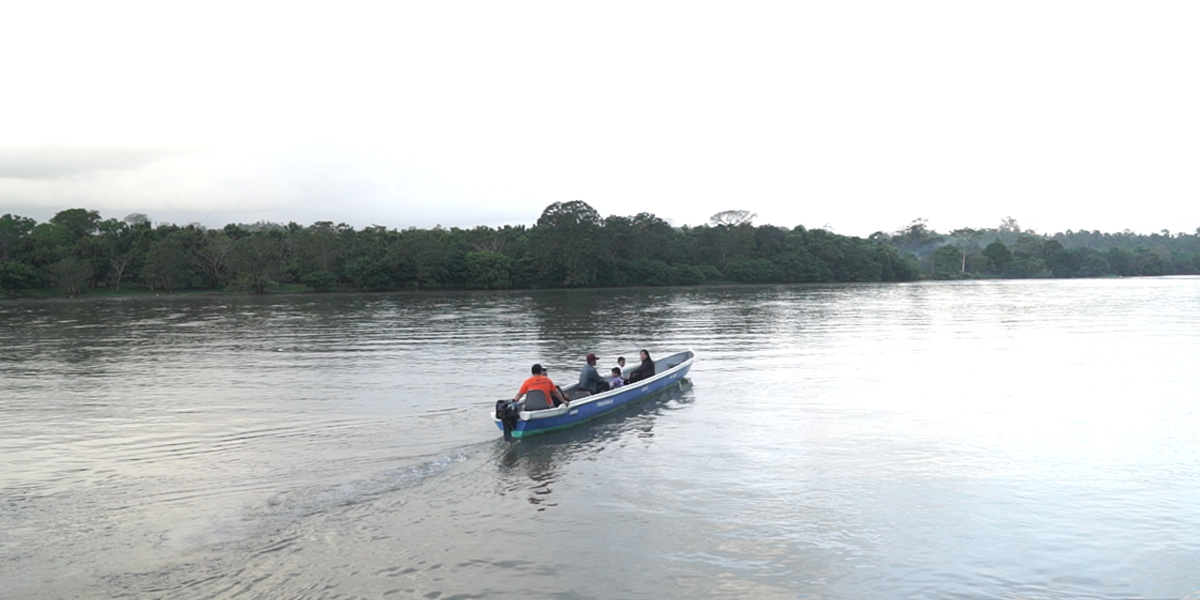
[{"x": 861, "y": 115}]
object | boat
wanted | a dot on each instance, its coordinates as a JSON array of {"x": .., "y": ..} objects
[{"x": 513, "y": 418}]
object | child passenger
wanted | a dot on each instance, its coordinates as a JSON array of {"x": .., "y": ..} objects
[{"x": 616, "y": 378}]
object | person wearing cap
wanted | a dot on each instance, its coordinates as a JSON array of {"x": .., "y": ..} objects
[
  {"x": 589, "y": 379},
  {"x": 539, "y": 381}
]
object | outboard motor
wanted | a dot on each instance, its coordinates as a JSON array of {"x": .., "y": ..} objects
[{"x": 509, "y": 413}]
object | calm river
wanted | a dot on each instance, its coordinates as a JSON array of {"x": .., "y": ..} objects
[{"x": 1015, "y": 439}]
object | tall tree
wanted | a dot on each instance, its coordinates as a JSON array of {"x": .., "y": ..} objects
[
  {"x": 213, "y": 254},
  {"x": 258, "y": 260},
  {"x": 16, "y": 277},
  {"x": 168, "y": 262},
  {"x": 567, "y": 244},
  {"x": 12, "y": 229},
  {"x": 319, "y": 247},
  {"x": 78, "y": 222},
  {"x": 998, "y": 257},
  {"x": 732, "y": 218},
  {"x": 966, "y": 240},
  {"x": 71, "y": 274},
  {"x": 136, "y": 219},
  {"x": 489, "y": 270}
]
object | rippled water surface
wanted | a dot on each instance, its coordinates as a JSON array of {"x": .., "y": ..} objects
[{"x": 1030, "y": 439}]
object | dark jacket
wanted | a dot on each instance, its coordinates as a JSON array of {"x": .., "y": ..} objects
[{"x": 643, "y": 371}]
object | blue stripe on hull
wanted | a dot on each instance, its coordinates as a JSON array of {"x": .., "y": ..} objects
[{"x": 592, "y": 410}]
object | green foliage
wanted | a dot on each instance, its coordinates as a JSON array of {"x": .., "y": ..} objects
[
  {"x": 646, "y": 271},
  {"x": 567, "y": 245},
  {"x": 489, "y": 270},
  {"x": 947, "y": 263},
  {"x": 1148, "y": 262},
  {"x": 709, "y": 273},
  {"x": 213, "y": 254},
  {"x": 1010, "y": 251},
  {"x": 1026, "y": 266},
  {"x": 722, "y": 244},
  {"x": 643, "y": 236},
  {"x": 524, "y": 274},
  {"x": 893, "y": 267},
  {"x": 689, "y": 275},
  {"x": 77, "y": 222},
  {"x": 70, "y": 275},
  {"x": 16, "y": 277},
  {"x": 367, "y": 274},
  {"x": 570, "y": 246},
  {"x": 1092, "y": 264},
  {"x": 168, "y": 263},
  {"x": 12, "y": 230},
  {"x": 428, "y": 258},
  {"x": 259, "y": 260},
  {"x": 46, "y": 243},
  {"x": 319, "y": 281},
  {"x": 859, "y": 263},
  {"x": 1120, "y": 261},
  {"x": 755, "y": 270},
  {"x": 769, "y": 241},
  {"x": 999, "y": 257},
  {"x": 800, "y": 266},
  {"x": 916, "y": 239}
]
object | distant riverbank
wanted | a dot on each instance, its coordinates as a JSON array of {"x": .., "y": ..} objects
[{"x": 571, "y": 247}]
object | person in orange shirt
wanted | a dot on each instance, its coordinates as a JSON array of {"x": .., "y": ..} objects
[{"x": 539, "y": 381}]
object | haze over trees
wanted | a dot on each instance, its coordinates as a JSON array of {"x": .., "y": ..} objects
[
  {"x": 571, "y": 245},
  {"x": 1008, "y": 251}
]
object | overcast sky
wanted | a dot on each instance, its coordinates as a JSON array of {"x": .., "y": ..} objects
[{"x": 859, "y": 116}]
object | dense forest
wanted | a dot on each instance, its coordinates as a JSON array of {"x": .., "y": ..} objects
[{"x": 571, "y": 245}]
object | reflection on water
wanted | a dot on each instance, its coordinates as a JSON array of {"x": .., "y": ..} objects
[
  {"x": 953, "y": 439},
  {"x": 537, "y": 463},
  {"x": 533, "y": 464}
]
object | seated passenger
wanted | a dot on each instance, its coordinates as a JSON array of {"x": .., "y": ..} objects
[
  {"x": 539, "y": 381},
  {"x": 589, "y": 380},
  {"x": 561, "y": 392},
  {"x": 616, "y": 381},
  {"x": 644, "y": 370}
]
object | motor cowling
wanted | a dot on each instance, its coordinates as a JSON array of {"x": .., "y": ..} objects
[{"x": 509, "y": 413}]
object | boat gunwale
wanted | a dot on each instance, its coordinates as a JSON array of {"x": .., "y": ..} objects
[{"x": 548, "y": 413}]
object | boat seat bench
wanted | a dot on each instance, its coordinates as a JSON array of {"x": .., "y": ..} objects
[{"x": 536, "y": 400}]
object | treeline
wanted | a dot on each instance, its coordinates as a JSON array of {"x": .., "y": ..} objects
[
  {"x": 1008, "y": 251},
  {"x": 571, "y": 245}
]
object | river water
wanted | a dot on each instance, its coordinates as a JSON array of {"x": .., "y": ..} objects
[{"x": 1006, "y": 439}]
